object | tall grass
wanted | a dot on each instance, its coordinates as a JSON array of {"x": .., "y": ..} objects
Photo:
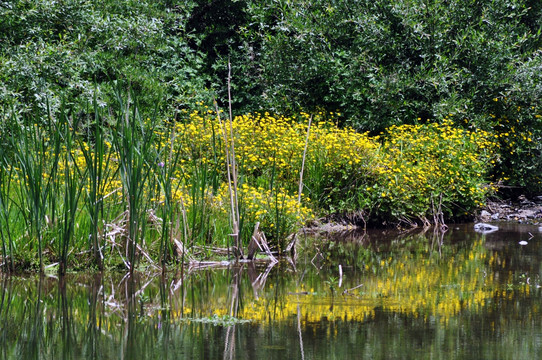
[
  {"x": 6, "y": 206},
  {"x": 36, "y": 171},
  {"x": 167, "y": 163},
  {"x": 85, "y": 178},
  {"x": 133, "y": 141},
  {"x": 97, "y": 162},
  {"x": 108, "y": 186},
  {"x": 71, "y": 187}
]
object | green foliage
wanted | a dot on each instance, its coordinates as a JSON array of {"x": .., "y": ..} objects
[
  {"x": 432, "y": 170},
  {"x": 73, "y": 49},
  {"x": 380, "y": 63},
  {"x": 515, "y": 117},
  {"x": 390, "y": 63},
  {"x": 387, "y": 63}
]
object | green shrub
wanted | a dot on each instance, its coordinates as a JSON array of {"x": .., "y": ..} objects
[{"x": 430, "y": 169}]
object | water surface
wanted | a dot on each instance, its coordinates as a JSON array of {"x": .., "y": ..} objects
[{"x": 380, "y": 295}]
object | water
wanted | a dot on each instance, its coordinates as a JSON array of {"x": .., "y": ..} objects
[{"x": 401, "y": 296}]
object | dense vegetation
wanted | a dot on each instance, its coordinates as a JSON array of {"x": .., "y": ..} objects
[
  {"x": 379, "y": 63},
  {"x": 396, "y": 112}
]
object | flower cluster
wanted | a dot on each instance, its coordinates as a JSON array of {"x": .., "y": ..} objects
[
  {"x": 275, "y": 209},
  {"x": 424, "y": 166}
]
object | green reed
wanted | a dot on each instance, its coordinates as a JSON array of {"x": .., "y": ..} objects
[
  {"x": 133, "y": 140},
  {"x": 71, "y": 187},
  {"x": 5, "y": 181},
  {"x": 6, "y": 175},
  {"x": 99, "y": 183},
  {"x": 36, "y": 171},
  {"x": 98, "y": 172},
  {"x": 168, "y": 162}
]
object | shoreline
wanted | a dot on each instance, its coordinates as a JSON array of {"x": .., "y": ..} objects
[{"x": 523, "y": 211}]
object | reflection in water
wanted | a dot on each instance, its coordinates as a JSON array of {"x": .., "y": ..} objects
[{"x": 411, "y": 295}]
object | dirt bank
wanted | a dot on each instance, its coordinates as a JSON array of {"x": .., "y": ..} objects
[{"x": 522, "y": 210}]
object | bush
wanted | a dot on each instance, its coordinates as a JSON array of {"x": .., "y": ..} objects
[
  {"x": 74, "y": 50},
  {"x": 382, "y": 63},
  {"x": 426, "y": 169},
  {"x": 385, "y": 64},
  {"x": 409, "y": 173}
]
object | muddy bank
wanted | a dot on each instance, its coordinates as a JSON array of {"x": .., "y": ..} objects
[{"x": 522, "y": 210}]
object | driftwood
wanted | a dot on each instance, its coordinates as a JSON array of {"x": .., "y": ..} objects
[
  {"x": 291, "y": 248},
  {"x": 259, "y": 242},
  {"x": 254, "y": 245}
]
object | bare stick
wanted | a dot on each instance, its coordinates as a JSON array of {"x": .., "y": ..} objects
[
  {"x": 170, "y": 157},
  {"x": 254, "y": 244},
  {"x": 303, "y": 162},
  {"x": 346, "y": 291},
  {"x": 185, "y": 220},
  {"x": 233, "y": 208},
  {"x": 239, "y": 251}
]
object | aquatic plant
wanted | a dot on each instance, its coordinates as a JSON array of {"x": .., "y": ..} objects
[
  {"x": 36, "y": 170},
  {"x": 216, "y": 320},
  {"x": 98, "y": 173},
  {"x": 6, "y": 206},
  {"x": 133, "y": 141},
  {"x": 68, "y": 183}
]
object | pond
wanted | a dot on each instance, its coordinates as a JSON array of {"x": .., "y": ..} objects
[{"x": 378, "y": 295}]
